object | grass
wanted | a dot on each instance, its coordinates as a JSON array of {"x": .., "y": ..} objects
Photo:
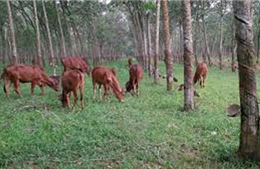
[{"x": 149, "y": 131}]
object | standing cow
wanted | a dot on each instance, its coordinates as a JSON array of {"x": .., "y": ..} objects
[
  {"x": 107, "y": 77},
  {"x": 72, "y": 81},
  {"x": 16, "y": 73},
  {"x": 201, "y": 74},
  {"x": 71, "y": 63}
]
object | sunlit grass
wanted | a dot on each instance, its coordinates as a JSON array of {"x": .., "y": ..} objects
[{"x": 146, "y": 131}]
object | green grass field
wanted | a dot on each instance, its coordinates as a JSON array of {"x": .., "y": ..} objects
[{"x": 149, "y": 131}]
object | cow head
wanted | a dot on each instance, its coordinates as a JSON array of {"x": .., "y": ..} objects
[{"x": 120, "y": 95}]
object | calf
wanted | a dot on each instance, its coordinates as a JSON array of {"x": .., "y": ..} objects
[
  {"x": 75, "y": 63},
  {"x": 106, "y": 77},
  {"x": 16, "y": 73},
  {"x": 71, "y": 81},
  {"x": 55, "y": 80},
  {"x": 100, "y": 85},
  {"x": 135, "y": 75},
  {"x": 201, "y": 74}
]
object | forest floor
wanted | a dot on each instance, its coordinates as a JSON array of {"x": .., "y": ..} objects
[{"x": 149, "y": 131}]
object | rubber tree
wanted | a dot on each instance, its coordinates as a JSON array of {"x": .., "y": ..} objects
[
  {"x": 249, "y": 131},
  {"x": 11, "y": 25},
  {"x": 188, "y": 55},
  {"x": 167, "y": 52}
]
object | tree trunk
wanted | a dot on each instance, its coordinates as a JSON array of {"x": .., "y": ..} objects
[
  {"x": 168, "y": 57},
  {"x": 187, "y": 56},
  {"x": 3, "y": 45},
  {"x": 150, "y": 53},
  {"x": 207, "y": 52},
  {"x": 38, "y": 37},
  {"x": 248, "y": 148},
  {"x": 156, "y": 56},
  {"x": 61, "y": 30},
  {"x": 221, "y": 35},
  {"x": 139, "y": 37},
  {"x": 145, "y": 40},
  {"x": 234, "y": 46},
  {"x": 14, "y": 47},
  {"x": 52, "y": 59},
  {"x": 181, "y": 42},
  {"x": 258, "y": 42}
]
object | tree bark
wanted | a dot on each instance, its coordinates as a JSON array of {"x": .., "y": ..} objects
[
  {"x": 258, "y": 42},
  {"x": 14, "y": 47},
  {"x": 188, "y": 55},
  {"x": 38, "y": 37},
  {"x": 234, "y": 46},
  {"x": 3, "y": 46},
  {"x": 249, "y": 139},
  {"x": 61, "y": 30},
  {"x": 150, "y": 53},
  {"x": 145, "y": 40},
  {"x": 168, "y": 58},
  {"x": 221, "y": 35},
  {"x": 156, "y": 56},
  {"x": 207, "y": 52},
  {"x": 52, "y": 59}
]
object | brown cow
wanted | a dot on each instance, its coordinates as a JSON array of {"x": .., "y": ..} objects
[
  {"x": 16, "y": 73},
  {"x": 106, "y": 77},
  {"x": 100, "y": 85},
  {"x": 135, "y": 75},
  {"x": 201, "y": 74},
  {"x": 75, "y": 63},
  {"x": 71, "y": 81},
  {"x": 55, "y": 79}
]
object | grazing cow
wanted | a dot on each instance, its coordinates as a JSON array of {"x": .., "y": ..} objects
[
  {"x": 135, "y": 75},
  {"x": 201, "y": 74},
  {"x": 71, "y": 81},
  {"x": 100, "y": 85},
  {"x": 16, "y": 73},
  {"x": 75, "y": 63},
  {"x": 55, "y": 79},
  {"x": 106, "y": 77}
]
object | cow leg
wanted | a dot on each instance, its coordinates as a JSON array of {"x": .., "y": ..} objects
[
  {"x": 69, "y": 94},
  {"x": 99, "y": 92},
  {"x": 94, "y": 90},
  {"x": 106, "y": 91},
  {"x": 75, "y": 97},
  {"x": 16, "y": 87},
  {"x": 203, "y": 79},
  {"x": 68, "y": 100},
  {"x": 81, "y": 87},
  {"x": 32, "y": 87},
  {"x": 133, "y": 86},
  {"x": 137, "y": 88},
  {"x": 42, "y": 89},
  {"x": 7, "y": 87}
]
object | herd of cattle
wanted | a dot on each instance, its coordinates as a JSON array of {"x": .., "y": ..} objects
[{"x": 72, "y": 79}]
